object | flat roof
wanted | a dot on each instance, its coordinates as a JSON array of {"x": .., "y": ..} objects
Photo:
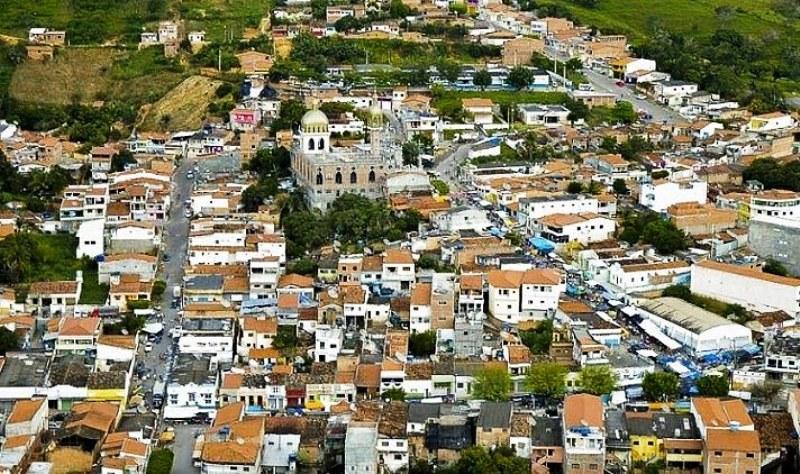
[{"x": 24, "y": 370}]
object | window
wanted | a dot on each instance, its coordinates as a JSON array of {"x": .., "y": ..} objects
[
  {"x": 321, "y": 144},
  {"x": 353, "y": 178},
  {"x": 592, "y": 466},
  {"x": 717, "y": 469},
  {"x": 372, "y": 176},
  {"x": 310, "y": 143},
  {"x": 751, "y": 455},
  {"x": 649, "y": 443},
  {"x": 319, "y": 178},
  {"x": 717, "y": 453}
]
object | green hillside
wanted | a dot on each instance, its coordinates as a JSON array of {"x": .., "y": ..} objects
[
  {"x": 700, "y": 17},
  {"x": 121, "y": 21}
]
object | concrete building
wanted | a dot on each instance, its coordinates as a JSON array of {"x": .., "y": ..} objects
[
  {"x": 644, "y": 277},
  {"x": 532, "y": 208},
  {"x": 583, "y": 228},
  {"x": 584, "y": 435},
  {"x": 516, "y": 296},
  {"x": 697, "y": 330},
  {"x": 360, "y": 452},
  {"x": 543, "y": 115},
  {"x": 774, "y": 227},
  {"x": 660, "y": 195},
  {"x": 746, "y": 286}
]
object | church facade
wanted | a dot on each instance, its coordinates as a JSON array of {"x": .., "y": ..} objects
[{"x": 325, "y": 172}]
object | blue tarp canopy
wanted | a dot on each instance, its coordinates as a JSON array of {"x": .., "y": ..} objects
[{"x": 542, "y": 244}]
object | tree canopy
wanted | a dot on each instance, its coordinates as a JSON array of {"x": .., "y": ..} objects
[
  {"x": 713, "y": 385},
  {"x": 661, "y": 386},
  {"x": 422, "y": 344},
  {"x": 774, "y": 174},
  {"x": 547, "y": 379},
  {"x": 650, "y": 228},
  {"x": 597, "y": 379},
  {"x": 492, "y": 383}
]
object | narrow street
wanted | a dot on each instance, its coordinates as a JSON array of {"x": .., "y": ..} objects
[{"x": 604, "y": 83}]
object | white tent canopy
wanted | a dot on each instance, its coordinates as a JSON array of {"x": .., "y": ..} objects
[
  {"x": 653, "y": 331},
  {"x": 153, "y": 328}
]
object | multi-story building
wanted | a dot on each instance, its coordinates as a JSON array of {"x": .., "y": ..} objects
[
  {"x": 470, "y": 293},
  {"x": 532, "y": 208},
  {"x": 660, "y": 195},
  {"x": 516, "y": 296},
  {"x": 584, "y": 435},
  {"x": 82, "y": 203},
  {"x": 774, "y": 227},
  {"x": 398, "y": 270},
  {"x": 583, "y": 228}
]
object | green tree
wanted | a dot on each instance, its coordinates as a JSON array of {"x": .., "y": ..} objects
[
  {"x": 678, "y": 291},
  {"x": 291, "y": 113},
  {"x": 18, "y": 255},
  {"x": 597, "y": 379},
  {"x": 394, "y": 395},
  {"x": 441, "y": 187},
  {"x": 255, "y": 195},
  {"x": 767, "y": 390},
  {"x": 592, "y": 187},
  {"x": 661, "y": 386},
  {"x": 620, "y": 187},
  {"x": 538, "y": 339},
  {"x": 302, "y": 266},
  {"x": 520, "y": 77},
  {"x": 574, "y": 187},
  {"x": 713, "y": 385},
  {"x": 286, "y": 337},
  {"x": 775, "y": 267},
  {"x": 492, "y": 383},
  {"x": 9, "y": 341},
  {"x": 482, "y": 79},
  {"x": 158, "y": 290},
  {"x": 449, "y": 70},
  {"x": 547, "y": 379},
  {"x": 410, "y": 153},
  {"x": 422, "y": 344},
  {"x": 160, "y": 462},
  {"x": 121, "y": 160}
]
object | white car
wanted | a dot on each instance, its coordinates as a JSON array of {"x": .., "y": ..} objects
[{"x": 148, "y": 347}]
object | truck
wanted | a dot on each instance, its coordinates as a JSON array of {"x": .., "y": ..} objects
[
  {"x": 176, "y": 291},
  {"x": 158, "y": 394}
]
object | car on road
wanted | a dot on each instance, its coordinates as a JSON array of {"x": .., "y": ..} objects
[
  {"x": 641, "y": 96},
  {"x": 620, "y": 84},
  {"x": 165, "y": 257},
  {"x": 148, "y": 347},
  {"x": 190, "y": 175}
]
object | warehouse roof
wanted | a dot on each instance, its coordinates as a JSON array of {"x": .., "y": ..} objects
[{"x": 687, "y": 315}]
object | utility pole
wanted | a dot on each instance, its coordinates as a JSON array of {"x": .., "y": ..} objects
[{"x": 219, "y": 60}]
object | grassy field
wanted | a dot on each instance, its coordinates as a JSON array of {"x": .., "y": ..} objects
[
  {"x": 59, "y": 263},
  {"x": 636, "y": 17},
  {"x": 73, "y": 74},
  {"x": 449, "y": 99},
  {"x": 89, "y": 74},
  {"x": 216, "y": 16},
  {"x": 185, "y": 105}
]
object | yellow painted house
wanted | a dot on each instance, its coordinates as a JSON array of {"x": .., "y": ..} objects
[
  {"x": 108, "y": 387},
  {"x": 670, "y": 437}
]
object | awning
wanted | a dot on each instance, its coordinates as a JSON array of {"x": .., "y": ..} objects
[
  {"x": 648, "y": 353},
  {"x": 618, "y": 397},
  {"x": 180, "y": 413},
  {"x": 629, "y": 310},
  {"x": 153, "y": 328},
  {"x": 542, "y": 244},
  {"x": 653, "y": 331},
  {"x": 678, "y": 368}
]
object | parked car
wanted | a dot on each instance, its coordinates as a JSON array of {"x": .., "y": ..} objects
[
  {"x": 620, "y": 84},
  {"x": 148, "y": 347}
]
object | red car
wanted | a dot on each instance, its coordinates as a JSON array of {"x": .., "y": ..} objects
[{"x": 620, "y": 84}]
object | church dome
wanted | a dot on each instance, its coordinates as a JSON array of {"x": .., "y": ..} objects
[{"x": 314, "y": 121}]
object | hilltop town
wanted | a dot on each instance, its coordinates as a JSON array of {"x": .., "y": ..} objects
[{"x": 396, "y": 237}]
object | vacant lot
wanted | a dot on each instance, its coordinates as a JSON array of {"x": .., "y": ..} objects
[
  {"x": 637, "y": 17},
  {"x": 74, "y": 74},
  {"x": 89, "y": 74},
  {"x": 184, "y": 107}
]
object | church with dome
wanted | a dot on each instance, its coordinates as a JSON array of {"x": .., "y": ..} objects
[{"x": 325, "y": 172}]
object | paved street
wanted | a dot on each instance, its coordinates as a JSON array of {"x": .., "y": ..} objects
[
  {"x": 607, "y": 84},
  {"x": 175, "y": 236},
  {"x": 447, "y": 167},
  {"x": 182, "y": 448}
]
